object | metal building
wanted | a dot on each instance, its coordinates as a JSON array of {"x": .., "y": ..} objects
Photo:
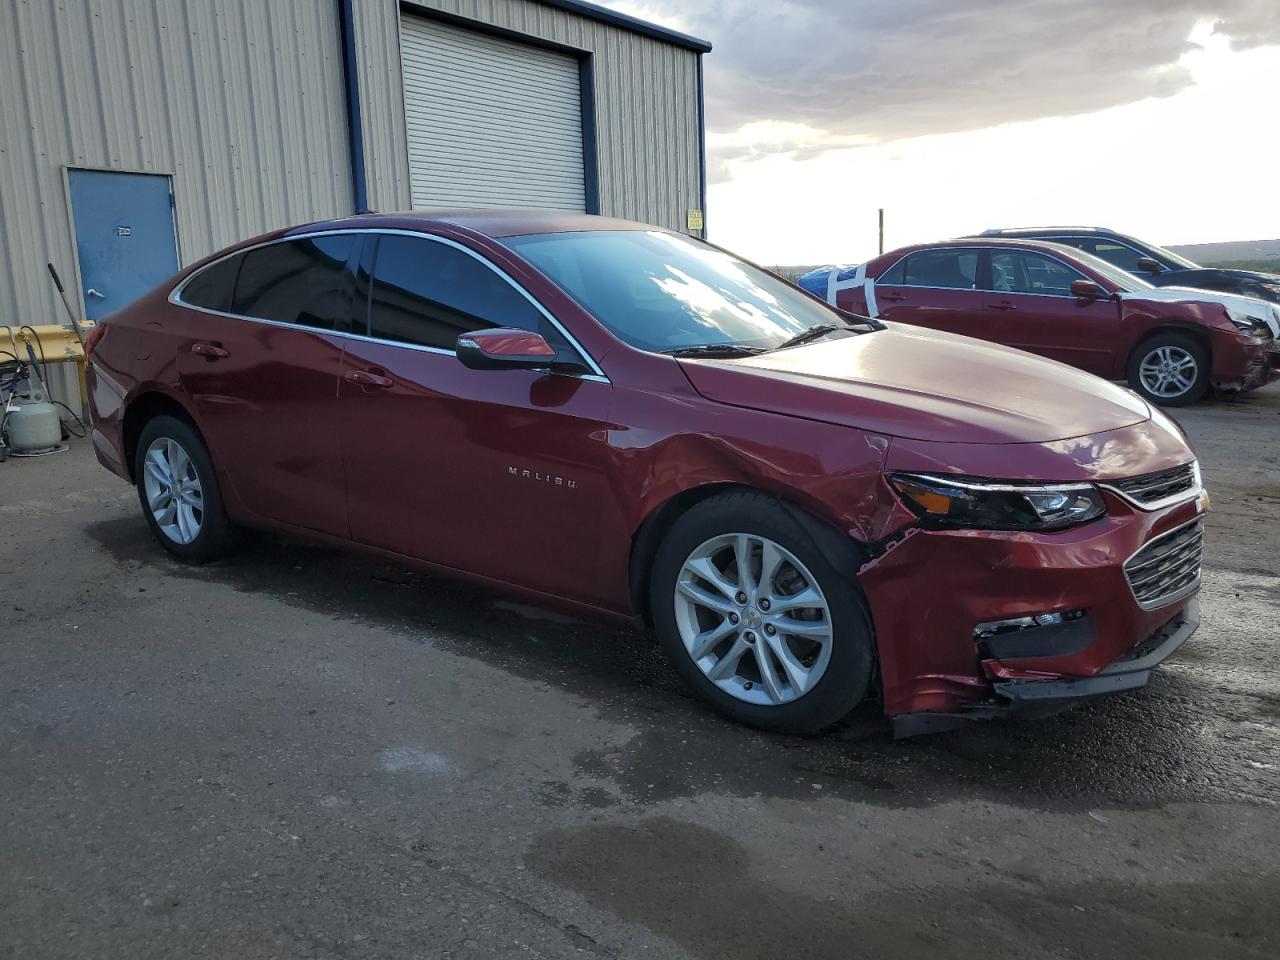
[{"x": 140, "y": 135}]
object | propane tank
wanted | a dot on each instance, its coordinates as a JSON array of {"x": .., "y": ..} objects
[{"x": 33, "y": 427}]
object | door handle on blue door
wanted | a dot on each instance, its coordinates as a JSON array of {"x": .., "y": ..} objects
[
  {"x": 210, "y": 351},
  {"x": 367, "y": 378}
]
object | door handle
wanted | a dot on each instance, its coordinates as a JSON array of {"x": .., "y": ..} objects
[
  {"x": 367, "y": 378},
  {"x": 210, "y": 351},
  {"x": 1001, "y": 306},
  {"x": 893, "y": 297},
  {"x": 94, "y": 293}
]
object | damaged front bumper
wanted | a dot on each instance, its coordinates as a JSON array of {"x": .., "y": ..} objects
[{"x": 1029, "y": 697}]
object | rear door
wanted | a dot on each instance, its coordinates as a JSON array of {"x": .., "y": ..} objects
[
  {"x": 261, "y": 365},
  {"x": 497, "y": 472},
  {"x": 1032, "y": 308},
  {"x": 935, "y": 288}
]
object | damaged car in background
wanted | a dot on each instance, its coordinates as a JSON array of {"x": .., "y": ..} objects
[
  {"x": 1172, "y": 345},
  {"x": 810, "y": 507}
]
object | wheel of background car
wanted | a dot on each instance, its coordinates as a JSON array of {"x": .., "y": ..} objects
[
  {"x": 757, "y": 620},
  {"x": 178, "y": 490},
  {"x": 1169, "y": 369}
]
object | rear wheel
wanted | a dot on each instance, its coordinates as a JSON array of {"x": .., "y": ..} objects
[
  {"x": 756, "y": 619},
  {"x": 1170, "y": 369},
  {"x": 178, "y": 490}
]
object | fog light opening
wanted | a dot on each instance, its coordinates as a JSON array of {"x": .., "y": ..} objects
[{"x": 994, "y": 628}]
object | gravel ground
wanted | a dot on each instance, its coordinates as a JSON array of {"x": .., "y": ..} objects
[{"x": 302, "y": 753}]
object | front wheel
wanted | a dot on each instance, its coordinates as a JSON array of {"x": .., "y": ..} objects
[
  {"x": 179, "y": 492},
  {"x": 757, "y": 620},
  {"x": 1170, "y": 369}
]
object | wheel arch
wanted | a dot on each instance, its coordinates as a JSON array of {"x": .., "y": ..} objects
[
  {"x": 1167, "y": 326},
  {"x": 844, "y": 553},
  {"x": 141, "y": 410}
]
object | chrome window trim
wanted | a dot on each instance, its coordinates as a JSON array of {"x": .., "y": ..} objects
[
  {"x": 915, "y": 286},
  {"x": 976, "y": 289},
  {"x": 1169, "y": 501},
  {"x": 175, "y": 295},
  {"x": 1180, "y": 594}
]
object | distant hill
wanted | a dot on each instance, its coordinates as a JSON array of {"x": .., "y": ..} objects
[{"x": 1234, "y": 253}]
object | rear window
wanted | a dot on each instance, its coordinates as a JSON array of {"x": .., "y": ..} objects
[
  {"x": 213, "y": 287},
  {"x": 304, "y": 282}
]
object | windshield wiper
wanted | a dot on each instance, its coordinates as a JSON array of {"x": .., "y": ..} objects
[
  {"x": 808, "y": 336},
  {"x": 715, "y": 350}
]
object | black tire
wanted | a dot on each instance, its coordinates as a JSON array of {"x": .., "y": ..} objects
[
  {"x": 848, "y": 675},
  {"x": 1175, "y": 341},
  {"x": 217, "y": 535}
]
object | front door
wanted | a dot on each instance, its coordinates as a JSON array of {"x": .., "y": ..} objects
[
  {"x": 936, "y": 289},
  {"x": 499, "y": 473},
  {"x": 1032, "y": 308},
  {"x": 125, "y": 239}
]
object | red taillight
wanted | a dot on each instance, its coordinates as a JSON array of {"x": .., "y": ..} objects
[{"x": 95, "y": 335}]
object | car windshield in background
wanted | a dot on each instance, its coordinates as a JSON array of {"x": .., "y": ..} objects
[
  {"x": 1126, "y": 281},
  {"x": 667, "y": 293},
  {"x": 1176, "y": 258}
]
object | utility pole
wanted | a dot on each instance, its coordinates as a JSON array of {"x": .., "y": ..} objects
[{"x": 882, "y": 229}]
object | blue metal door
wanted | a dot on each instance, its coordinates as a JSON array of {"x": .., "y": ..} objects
[{"x": 125, "y": 237}]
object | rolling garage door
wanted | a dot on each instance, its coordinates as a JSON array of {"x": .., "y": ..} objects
[{"x": 490, "y": 122}]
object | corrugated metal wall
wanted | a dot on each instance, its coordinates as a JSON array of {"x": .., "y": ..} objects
[
  {"x": 646, "y": 105},
  {"x": 241, "y": 101}
]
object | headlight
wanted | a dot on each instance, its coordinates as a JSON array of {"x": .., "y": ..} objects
[
  {"x": 951, "y": 502},
  {"x": 1253, "y": 326}
]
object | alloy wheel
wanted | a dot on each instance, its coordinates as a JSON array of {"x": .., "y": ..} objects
[
  {"x": 753, "y": 619},
  {"x": 1168, "y": 372},
  {"x": 173, "y": 490}
]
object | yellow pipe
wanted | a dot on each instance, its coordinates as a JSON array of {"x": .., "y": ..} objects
[{"x": 60, "y": 344}]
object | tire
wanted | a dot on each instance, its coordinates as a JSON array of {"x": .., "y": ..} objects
[
  {"x": 176, "y": 442},
  {"x": 1149, "y": 367},
  {"x": 822, "y": 679}
]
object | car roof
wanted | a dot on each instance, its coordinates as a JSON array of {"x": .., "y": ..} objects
[
  {"x": 984, "y": 241},
  {"x": 1057, "y": 231},
  {"x": 498, "y": 222}
]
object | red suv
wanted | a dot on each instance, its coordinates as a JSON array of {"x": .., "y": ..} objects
[
  {"x": 808, "y": 506},
  {"x": 1170, "y": 343}
]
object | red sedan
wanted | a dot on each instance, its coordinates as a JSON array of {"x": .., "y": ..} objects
[
  {"x": 1171, "y": 344},
  {"x": 809, "y": 507}
]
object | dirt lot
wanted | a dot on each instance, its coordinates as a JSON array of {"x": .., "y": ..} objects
[{"x": 300, "y": 753}]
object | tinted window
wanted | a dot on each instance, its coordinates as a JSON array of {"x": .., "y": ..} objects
[
  {"x": 213, "y": 287},
  {"x": 302, "y": 281},
  {"x": 426, "y": 293},
  {"x": 896, "y": 274},
  {"x": 663, "y": 291},
  {"x": 953, "y": 269},
  {"x": 1020, "y": 272},
  {"x": 1124, "y": 257}
]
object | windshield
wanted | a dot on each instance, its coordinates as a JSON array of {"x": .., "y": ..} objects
[
  {"x": 1123, "y": 279},
  {"x": 665, "y": 292},
  {"x": 1173, "y": 257}
]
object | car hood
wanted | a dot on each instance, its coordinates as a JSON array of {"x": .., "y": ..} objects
[
  {"x": 920, "y": 384},
  {"x": 1268, "y": 313}
]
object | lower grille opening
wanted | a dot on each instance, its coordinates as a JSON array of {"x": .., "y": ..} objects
[{"x": 1168, "y": 567}]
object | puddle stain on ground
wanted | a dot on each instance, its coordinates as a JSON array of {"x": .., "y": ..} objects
[
  {"x": 1186, "y": 738},
  {"x": 698, "y": 888}
]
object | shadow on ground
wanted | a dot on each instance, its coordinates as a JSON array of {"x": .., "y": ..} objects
[{"x": 1185, "y": 738}]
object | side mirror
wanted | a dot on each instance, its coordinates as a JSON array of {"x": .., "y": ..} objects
[
  {"x": 1087, "y": 290},
  {"x": 505, "y": 348},
  {"x": 1147, "y": 265}
]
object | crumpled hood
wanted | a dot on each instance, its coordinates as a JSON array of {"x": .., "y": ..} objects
[
  {"x": 1268, "y": 313},
  {"x": 924, "y": 385}
]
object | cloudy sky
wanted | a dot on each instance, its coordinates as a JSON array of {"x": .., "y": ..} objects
[{"x": 1160, "y": 118}]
